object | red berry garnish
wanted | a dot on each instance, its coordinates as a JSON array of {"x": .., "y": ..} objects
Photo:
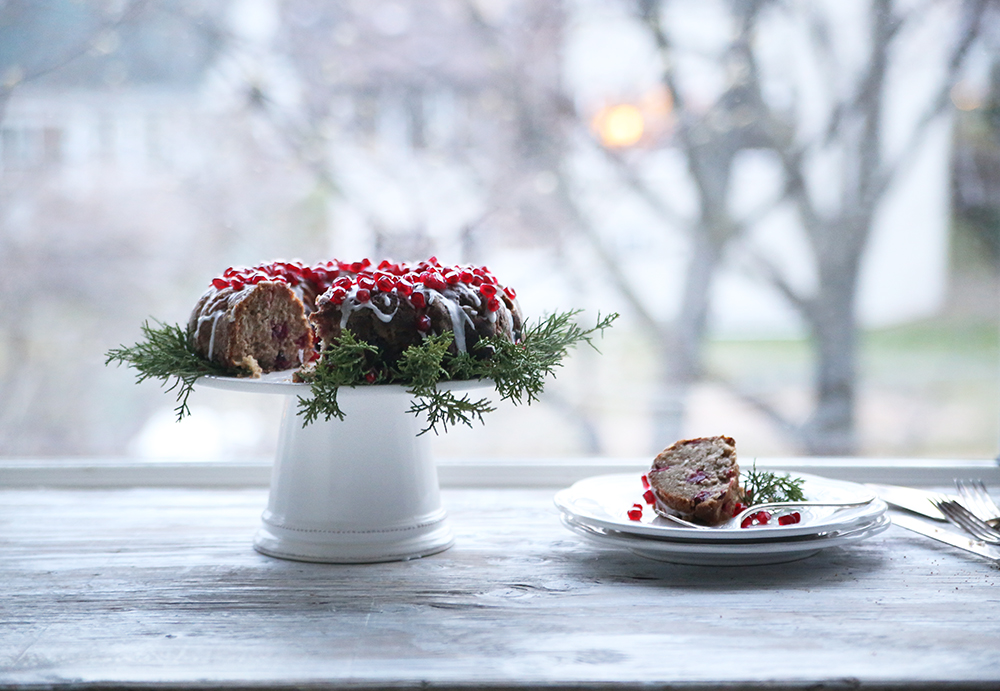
[
  {"x": 344, "y": 282},
  {"x": 466, "y": 276},
  {"x": 488, "y": 290},
  {"x": 434, "y": 280},
  {"x": 509, "y": 292},
  {"x": 371, "y": 377},
  {"x": 220, "y": 283},
  {"x": 762, "y": 517},
  {"x": 419, "y": 300},
  {"x": 404, "y": 287},
  {"x": 492, "y": 304},
  {"x": 645, "y": 482},
  {"x": 236, "y": 284},
  {"x": 789, "y": 519},
  {"x": 337, "y": 294},
  {"x": 366, "y": 282},
  {"x": 747, "y": 522},
  {"x": 424, "y": 322},
  {"x": 635, "y": 513},
  {"x": 649, "y": 497},
  {"x": 739, "y": 508},
  {"x": 385, "y": 282},
  {"x": 363, "y": 295}
]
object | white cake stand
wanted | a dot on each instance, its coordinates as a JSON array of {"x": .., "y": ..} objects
[{"x": 361, "y": 490}]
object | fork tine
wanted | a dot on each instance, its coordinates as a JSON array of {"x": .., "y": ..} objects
[
  {"x": 979, "y": 488},
  {"x": 965, "y": 519},
  {"x": 973, "y": 498}
]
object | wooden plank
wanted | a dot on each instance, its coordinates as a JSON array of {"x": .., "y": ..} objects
[{"x": 162, "y": 587}]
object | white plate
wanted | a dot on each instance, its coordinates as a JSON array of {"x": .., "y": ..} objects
[
  {"x": 602, "y": 502},
  {"x": 728, "y": 554}
]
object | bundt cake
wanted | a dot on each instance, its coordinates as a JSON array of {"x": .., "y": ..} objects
[
  {"x": 281, "y": 315},
  {"x": 698, "y": 478}
]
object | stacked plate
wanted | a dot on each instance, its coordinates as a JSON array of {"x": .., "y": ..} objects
[{"x": 597, "y": 507}]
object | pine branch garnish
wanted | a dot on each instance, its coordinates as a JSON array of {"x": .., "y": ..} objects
[
  {"x": 167, "y": 354},
  {"x": 444, "y": 408},
  {"x": 347, "y": 363},
  {"x": 764, "y": 487},
  {"x": 517, "y": 370}
]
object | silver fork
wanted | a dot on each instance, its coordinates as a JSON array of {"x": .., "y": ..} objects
[
  {"x": 968, "y": 521},
  {"x": 977, "y": 499}
]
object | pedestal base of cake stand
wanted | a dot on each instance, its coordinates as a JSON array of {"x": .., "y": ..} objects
[{"x": 359, "y": 490}]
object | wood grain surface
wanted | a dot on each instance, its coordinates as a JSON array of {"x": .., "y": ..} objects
[{"x": 161, "y": 588}]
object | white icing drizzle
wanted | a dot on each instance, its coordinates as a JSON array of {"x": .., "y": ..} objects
[
  {"x": 458, "y": 317},
  {"x": 351, "y": 305},
  {"x": 211, "y": 338}
]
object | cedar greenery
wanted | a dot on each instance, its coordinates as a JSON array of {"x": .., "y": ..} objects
[
  {"x": 764, "y": 487},
  {"x": 517, "y": 370},
  {"x": 167, "y": 354}
]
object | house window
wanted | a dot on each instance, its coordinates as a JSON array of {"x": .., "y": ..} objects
[{"x": 793, "y": 208}]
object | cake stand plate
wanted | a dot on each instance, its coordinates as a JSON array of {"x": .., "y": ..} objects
[{"x": 359, "y": 490}]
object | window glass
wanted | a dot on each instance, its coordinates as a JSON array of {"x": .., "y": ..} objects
[{"x": 793, "y": 206}]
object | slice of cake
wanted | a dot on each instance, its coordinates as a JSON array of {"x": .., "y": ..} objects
[{"x": 698, "y": 478}]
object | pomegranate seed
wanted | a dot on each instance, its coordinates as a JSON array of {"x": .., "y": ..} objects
[
  {"x": 452, "y": 277},
  {"x": 739, "y": 508},
  {"x": 466, "y": 276},
  {"x": 237, "y": 284},
  {"x": 356, "y": 267},
  {"x": 509, "y": 292},
  {"x": 747, "y": 522},
  {"x": 371, "y": 377},
  {"x": 790, "y": 518},
  {"x": 337, "y": 295},
  {"x": 434, "y": 280},
  {"x": 488, "y": 290},
  {"x": 635, "y": 513},
  {"x": 424, "y": 322},
  {"x": 419, "y": 300},
  {"x": 385, "y": 283},
  {"x": 384, "y": 265},
  {"x": 649, "y": 497},
  {"x": 645, "y": 482},
  {"x": 366, "y": 282},
  {"x": 762, "y": 517},
  {"x": 363, "y": 295},
  {"x": 404, "y": 287},
  {"x": 493, "y": 304},
  {"x": 433, "y": 261},
  {"x": 344, "y": 282},
  {"x": 220, "y": 283}
]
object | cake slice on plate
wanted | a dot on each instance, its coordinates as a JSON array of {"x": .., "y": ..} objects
[{"x": 698, "y": 478}]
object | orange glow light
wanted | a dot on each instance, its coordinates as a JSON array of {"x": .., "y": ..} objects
[
  {"x": 964, "y": 97},
  {"x": 620, "y": 126}
]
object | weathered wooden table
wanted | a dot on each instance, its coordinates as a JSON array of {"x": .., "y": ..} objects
[{"x": 161, "y": 588}]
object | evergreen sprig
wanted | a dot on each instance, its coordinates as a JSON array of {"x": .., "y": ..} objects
[
  {"x": 517, "y": 370},
  {"x": 166, "y": 354},
  {"x": 764, "y": 487}
]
